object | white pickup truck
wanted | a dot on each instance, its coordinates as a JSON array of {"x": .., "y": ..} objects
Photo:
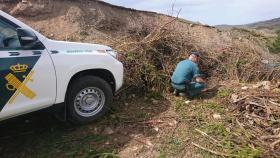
[{"x": 36, "y": 73}]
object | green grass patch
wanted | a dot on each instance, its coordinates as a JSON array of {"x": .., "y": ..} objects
[
  {"x": 242, "y": 62},
  {"x": 174, "y": 146},
  {"x": 162, "y": 155},
  {"x": 274, "y": 47},
  {"x": 224, "y": 92},
  {"x": 214, "y": 106},
  {"x": 69, "y": 145},
  {"x": 246, "y": 152},
  {"x": 216, "y": 129},
  {"x": 153, "y": 95},
  {"x": 179, "y": 105},
  {"x": 240, "y": 150}
]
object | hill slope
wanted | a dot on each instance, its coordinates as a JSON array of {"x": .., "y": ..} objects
[{"x": 273, "y": 24}]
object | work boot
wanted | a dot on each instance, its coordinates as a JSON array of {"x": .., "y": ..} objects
[
  {"x": 182, "y": 94},
  {"x": 176, "y": 92},
  {"x": 188, "y": 97}
]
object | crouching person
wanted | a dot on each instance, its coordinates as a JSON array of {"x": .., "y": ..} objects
[{"x": 186, "y": 78}]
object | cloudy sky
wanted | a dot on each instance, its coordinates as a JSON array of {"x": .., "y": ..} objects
[{"x": 212, "y": 12}]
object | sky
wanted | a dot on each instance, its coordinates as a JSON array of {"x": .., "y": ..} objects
[{"x": 211, "y": 12}]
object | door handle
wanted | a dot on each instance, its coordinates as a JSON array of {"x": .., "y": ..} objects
[
  {"x": 36, "y": 52},
  {"x": 14, "y": 53}
]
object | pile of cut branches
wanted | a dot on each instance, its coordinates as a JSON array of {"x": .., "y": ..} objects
[
  {"x": 150, "y": 59},
  {"x": 151, "y": 54},
  {"x": 258, "y": 114}
]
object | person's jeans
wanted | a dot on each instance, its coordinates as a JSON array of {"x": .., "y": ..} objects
[{"x": 195, "y": 88}]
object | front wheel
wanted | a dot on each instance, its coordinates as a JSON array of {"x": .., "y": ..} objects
[{"x": 88, "y": 99}]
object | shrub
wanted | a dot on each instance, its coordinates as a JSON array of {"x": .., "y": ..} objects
[{"x": 275, "y": 46}]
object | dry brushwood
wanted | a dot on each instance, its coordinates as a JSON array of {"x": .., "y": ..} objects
[
  {"x": 151, "y": 54},
  {"x": 259, "y": 116}
]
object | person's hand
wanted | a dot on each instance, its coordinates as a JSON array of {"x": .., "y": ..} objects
[{"x": 200, "y": 80}]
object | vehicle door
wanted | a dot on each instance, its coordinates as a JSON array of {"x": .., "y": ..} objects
[{"x": 27, "y": 74}]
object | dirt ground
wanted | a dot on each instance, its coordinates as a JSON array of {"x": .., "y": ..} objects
[
  {"x": 145, "y": 126},
  {"x": 142, "y": 126}
]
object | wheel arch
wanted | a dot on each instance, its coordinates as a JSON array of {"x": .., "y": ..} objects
[{"x": 102, "y": 73}]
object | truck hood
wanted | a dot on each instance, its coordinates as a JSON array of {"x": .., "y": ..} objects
[{"x": 73, "y": 46}]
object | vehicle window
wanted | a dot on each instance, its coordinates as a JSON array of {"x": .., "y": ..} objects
[{"x": 8, "y": 37}]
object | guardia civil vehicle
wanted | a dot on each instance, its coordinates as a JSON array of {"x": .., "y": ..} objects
[{"x": 37, "y": 73}]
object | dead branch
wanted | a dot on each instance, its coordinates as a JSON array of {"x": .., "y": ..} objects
[
  {"x": 211, "y": 151},
  {"x": 206, "y": 135}
]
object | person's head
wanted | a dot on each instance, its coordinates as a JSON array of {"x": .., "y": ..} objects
[{"x": 194, "y": 57}]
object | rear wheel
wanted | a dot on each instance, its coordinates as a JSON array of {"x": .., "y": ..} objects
[{"x": 88, "y": 99}]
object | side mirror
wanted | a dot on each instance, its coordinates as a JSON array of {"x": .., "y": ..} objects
[{"x": 27, "y": 38}]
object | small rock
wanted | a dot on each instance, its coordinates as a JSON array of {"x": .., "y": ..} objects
[
  {"x": 256, "y": 86},
  {"x": 125, "y": 133},
  {"x": 156, "y": 129},
  {"x": 188, "y": 101},
  {"x": 173, "y": 123},
  {"x": 265, "y": 61},
  {"x": 228, "y": 129},
  {"x": 155, "y": 101},
  {"x": 126, "y": 104},
  {"x": 266, "y": 85},
  {"x": 108, "y": 131},
  {"x": 217, "y": 116},
  {"x": 251, "y": 122},
  {"x": 135, "y": 148},
  {"x": 149, "y": 143},
  {"x": 276, "y": 90},
  {"x": 234, "y": 97},
  {"x": 245, "y": 88},
  {"x": 96, "y": 130},
  {"x": 182, "y": 94}
]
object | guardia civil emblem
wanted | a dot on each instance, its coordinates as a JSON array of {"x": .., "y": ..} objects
[
  {"x": 15, "y": 74},
  {"x": 15, "y": 84}
]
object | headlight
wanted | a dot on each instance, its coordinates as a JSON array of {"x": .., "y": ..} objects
[{"x": 112, "y": 53}]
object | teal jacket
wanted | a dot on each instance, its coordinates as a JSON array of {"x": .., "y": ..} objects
[{"x": 186, "y": 70}]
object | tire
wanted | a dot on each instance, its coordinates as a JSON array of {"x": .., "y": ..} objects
[{"x": 88, "y": 98}]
